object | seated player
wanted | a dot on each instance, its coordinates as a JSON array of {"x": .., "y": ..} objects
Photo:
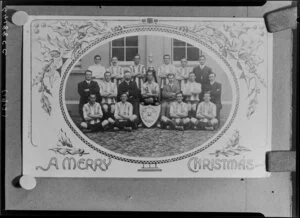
[
  {"x": 178, "y": 115},
  {"x": 206, "y": 114},
  {"x": 92, "y": 114},
  {"x": 124, "y": 117},
  {"x": 150, "y": 90},
  {"x": 191, "y": 91},
  {"x": 108, "y": 91}
]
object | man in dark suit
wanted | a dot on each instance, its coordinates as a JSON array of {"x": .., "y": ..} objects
[
  {"x": 134, "y": 94},
  {"x": 215, "y": 90},
  {"x": 85, "y": 88},
  {"x": 202, "y": 71}
]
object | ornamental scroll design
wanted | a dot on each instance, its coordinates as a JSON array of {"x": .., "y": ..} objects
[
  {"x": 65, "y": 146},
  {"x": 232, "y": 147},
  {"x": 240, "y": 43},
  {"x": 59, "y": 41},
  {"x": 63, "y": 40}
]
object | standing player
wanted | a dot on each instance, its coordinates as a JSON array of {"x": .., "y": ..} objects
[
  {"x": 164, "y": 70},
  {"x": 182, "y": 73},
  {"x": 138, "y": 71},
  {"x": 116, "y": 71},
  {"x": 97, "y": 69}
]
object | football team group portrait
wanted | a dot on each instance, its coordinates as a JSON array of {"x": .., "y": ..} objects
[{"x": 171, "y": 91}]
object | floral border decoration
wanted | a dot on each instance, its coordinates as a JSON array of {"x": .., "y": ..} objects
[
  {"x": 65, "y": 147},
  {"x": 68, "y": 40},
  {"x": 161, "y": 29},
  {"x": 233, "y": 147}
]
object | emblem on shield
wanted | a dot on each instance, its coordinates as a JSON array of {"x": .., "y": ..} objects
[{"x": 149, "y": 114}]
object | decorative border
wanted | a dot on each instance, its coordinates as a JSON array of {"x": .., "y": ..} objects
[{"x": 139, "y": 28}]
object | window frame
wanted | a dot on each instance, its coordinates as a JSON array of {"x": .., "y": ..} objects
[
  {"x": 123, "y": 63},
  {"x": 177, "y": 63}
]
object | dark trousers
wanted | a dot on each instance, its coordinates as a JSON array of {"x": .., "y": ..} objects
[
  {"x": 136, "y": 109},
  {"x": 125, "y": 123},
  {"x": 95, "y": 127}
]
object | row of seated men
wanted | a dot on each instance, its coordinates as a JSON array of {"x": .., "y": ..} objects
[{"x": 101, "y": 100}]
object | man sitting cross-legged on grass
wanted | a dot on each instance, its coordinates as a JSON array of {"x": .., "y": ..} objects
[
  {"x": 206, "y": 114},
  {"x": 178, "y": 115},
  {"x": 124, "y": 117},
  {"x": 92, "y": 114},
  {"x": 108, "y": 91}
]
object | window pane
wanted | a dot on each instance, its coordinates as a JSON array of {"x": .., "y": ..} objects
[
  {"x": 119, "y": 53},
  {"x": 177, "y": 42},
  {"x": 192, "y": 54},
  {"x": 132, "y": 41},
  {"x": 178, "y": 54},
  {"x": 130, "y": 53},
  {"x": 189, "y": 45},
  {"x": 118, "y": 42}
]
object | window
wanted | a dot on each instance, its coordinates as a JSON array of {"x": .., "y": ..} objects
[
  {"x": 125, "y": 48},
  {"x": 182, "y": 49}
]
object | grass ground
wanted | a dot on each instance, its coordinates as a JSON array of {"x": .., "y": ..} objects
[{"x": 152, "y": 142}]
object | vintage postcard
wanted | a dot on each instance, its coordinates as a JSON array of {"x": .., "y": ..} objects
[{"x": 146, "y": 96}]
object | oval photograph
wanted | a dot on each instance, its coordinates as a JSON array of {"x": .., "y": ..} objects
[{"x": 148, "y": 96}]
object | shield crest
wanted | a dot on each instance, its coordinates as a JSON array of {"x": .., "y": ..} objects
[{"x": 149, "y": 114}]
